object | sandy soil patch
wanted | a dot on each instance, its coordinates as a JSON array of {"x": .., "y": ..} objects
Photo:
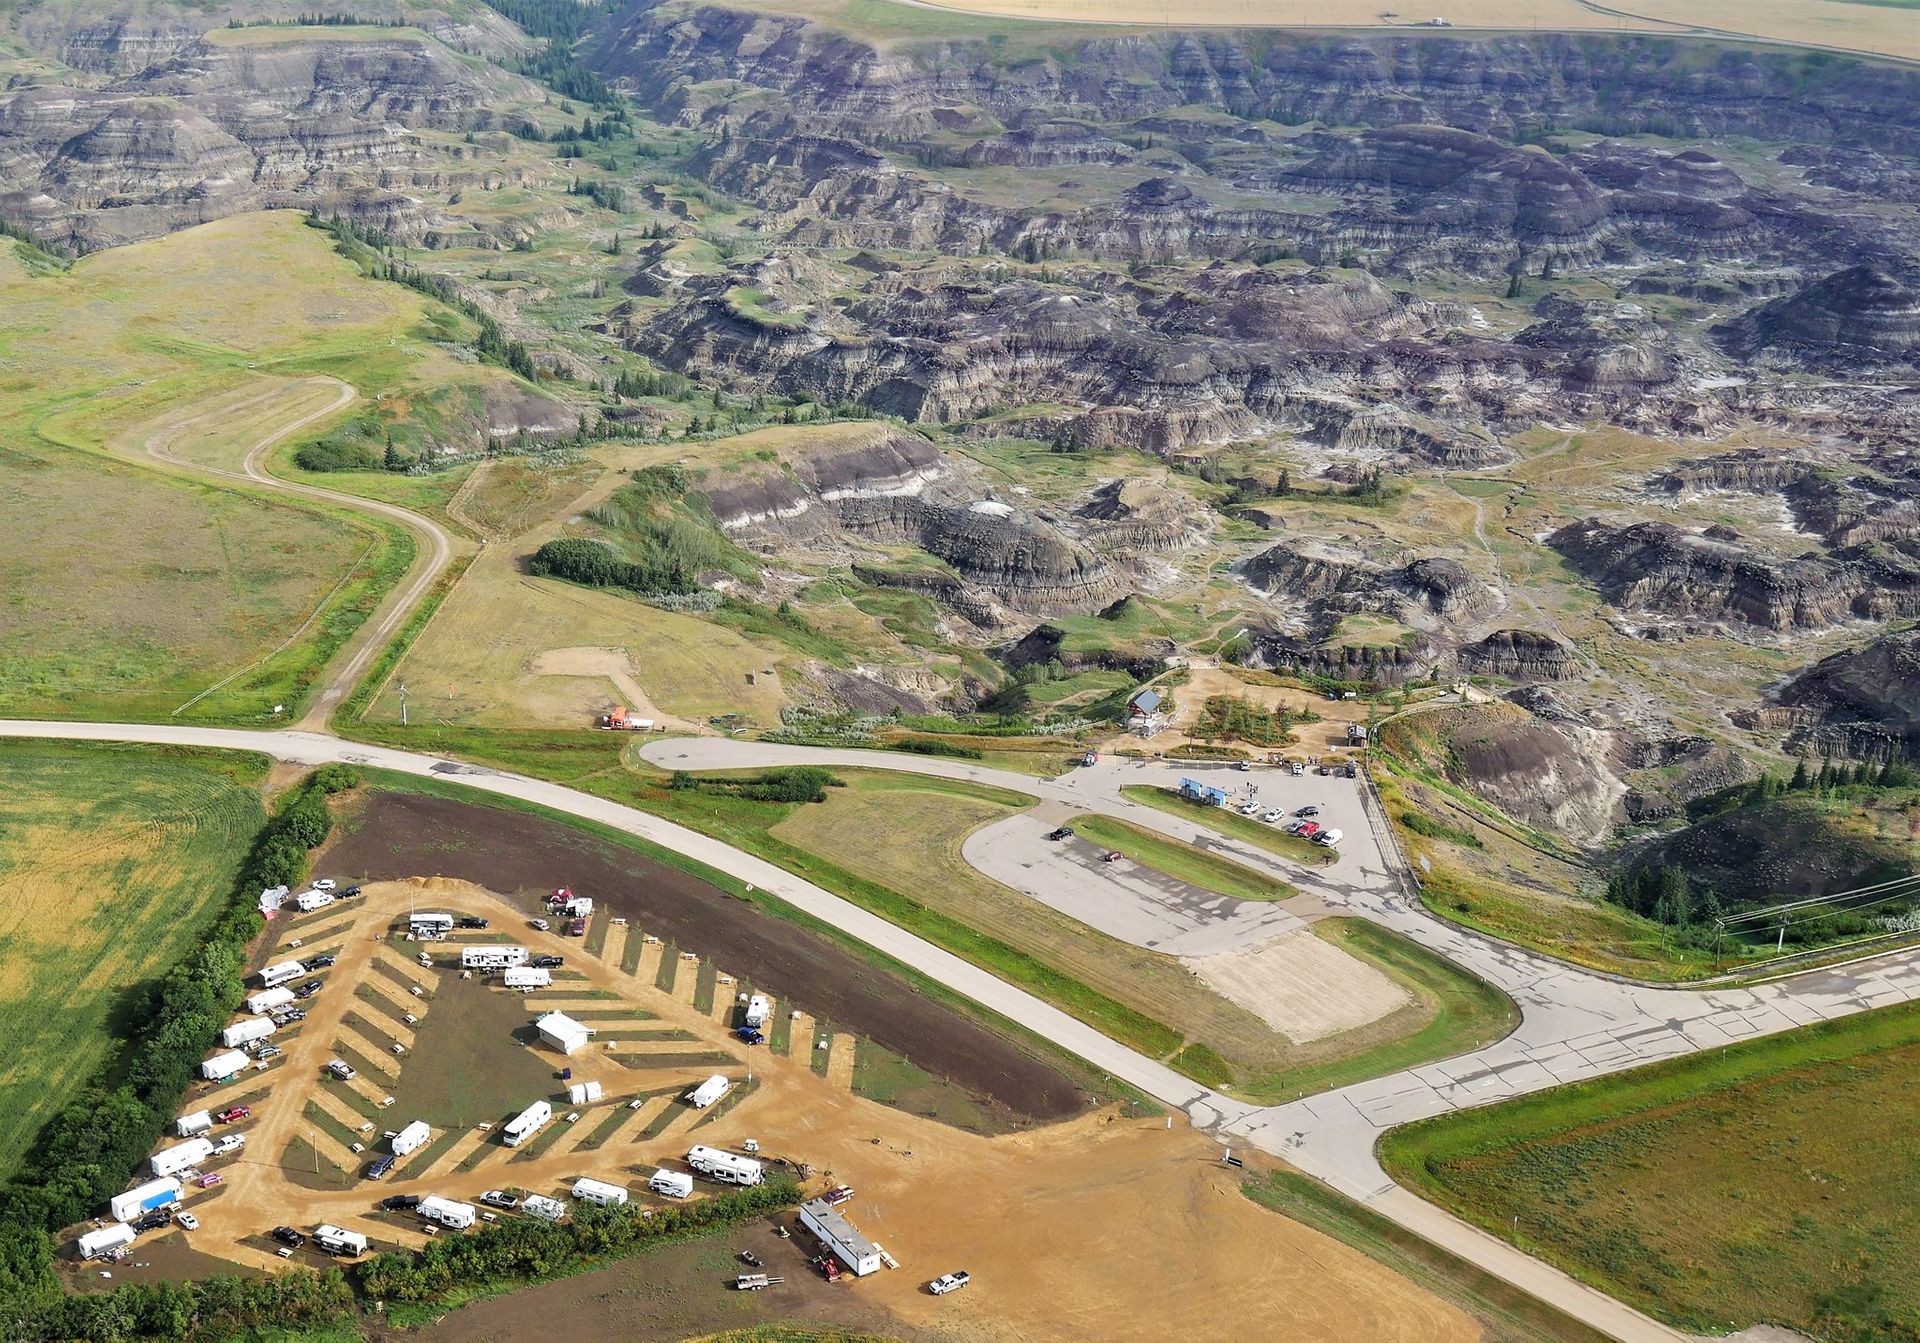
[
  {"x": 1203, "y": 683},
  {"x": 617, "y": 667},
  {"x": 1302, "y": 986}
]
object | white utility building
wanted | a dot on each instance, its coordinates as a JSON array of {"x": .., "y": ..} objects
[{"x": 563, "y": 1032}]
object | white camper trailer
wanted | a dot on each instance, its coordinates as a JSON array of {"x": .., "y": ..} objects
[
  {"x": 758, "y": 1010},
  {"x": 725, "y": 1167},
  {"x": 308, "y": 901},
  {"x": 185, "y": 1156},
  {"x": 246, "y": 1032},
  {"x": 546, "y": 1209},
  {"x": 338, "y": 1240},
  {"x": 458, "y": 1216},
  {"x": 527, "y": 1123},
  {"x": 709, "y": 1091},
  {"x": 268, "y": 1001},
  {"x": 144, "y": 1198},
  {"x": 222, "y": 1066},
  {"x": 193, "y": 1125},
  {"x": 491, "y": 957},
  {"x": 671, "y": 1183},
  {"x": 106, "y": 1240},
  {"x": 284, "y": 973},
  {"x": 600, "y": 1192},
  {"x": 411, "y": 1138},
  {"x": 526, "y": 977}
]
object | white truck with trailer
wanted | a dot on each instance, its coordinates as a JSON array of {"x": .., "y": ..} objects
[
  {"x": 726, "y": 1167},
  {"x": 492, "y": 957},
  {"x": 222, "y": 1066},
  {"x": 184, "y": 1156},
  {"x": 412, "y": 1138},
  {"x": 606, "y": 1195},
  {"x": 161, "y": 1193},
  {"x": 709, "y": 1091},
  {"x": 193, "y": 1125},
  {"x": 527, "y": 1123},
  {"x": 671, "y": 1183},
  {"x": 338, "y": 1240},
  {"x": 457, "y": 1216},
  {"x": 268, "y": 1001},
  {"x": 246, "y": 1032},
  {"x": 106, "y": 1240}
]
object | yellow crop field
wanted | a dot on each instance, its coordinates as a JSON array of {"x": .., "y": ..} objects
[{"x": 111, "y": 859}]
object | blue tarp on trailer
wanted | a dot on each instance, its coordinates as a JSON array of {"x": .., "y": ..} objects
[{"x": 1204, "y": 793}]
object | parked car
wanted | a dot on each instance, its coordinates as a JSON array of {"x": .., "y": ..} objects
[
  {"x": 1112, "y": 856},
  {"x": 381, "y": 1167},
  {"x": 286, "y": 1235},
  {"x": 470, "y": 921},
  {"x": 233, "y": 1142},
  {"x": 548, "y": 962},
  {"x": 187, "y": 1220},
  {"x": 341, "y": 1069},
  {"x": 325, "y": 884},
  {"x": 499, "y": 1198},
  {"x": 154, "y": 1220},
  {"x": 210, "y": 1179},
  {"x": 350, "y": 892},
  {"x": 400, "y": 1202},
  {"x": 308, "y": 989},
  {"x": 1307, "y": 811},
  {"x": 837, "y": 1195},
  {"x": 291, "y": 1015},
  {"x": 1244, "y": 766},
  {"x": 1271, "y": 816},
  {"x": 578, "y": 928},
  {"x": 538, "y": 925},
  {"x": 233, "y": 1114},
  {"x": 749, "y": 1035},
  {"x": 949, "y": 1282},
  {"x": 1064, "y": 832},
  {"x": 322, "y": 962},
  {"x": 268, "y": 1052}
]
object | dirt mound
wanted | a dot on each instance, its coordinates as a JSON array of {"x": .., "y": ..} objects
[
  {"x": 403, "y": 835},
  {"x": 1551, "y": 775}
]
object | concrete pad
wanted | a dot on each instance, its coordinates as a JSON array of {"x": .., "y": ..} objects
[{"x": 1301, "y": 985}]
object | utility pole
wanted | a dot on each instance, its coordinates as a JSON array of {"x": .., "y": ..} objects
[{"x": 403, "y": 704}]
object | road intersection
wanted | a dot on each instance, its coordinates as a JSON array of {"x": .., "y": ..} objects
[{"x": 1573, "y": 1024}]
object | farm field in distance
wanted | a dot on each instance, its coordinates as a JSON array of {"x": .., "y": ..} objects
[
  {"x": 1768, "y": 1182},
  {"x": 110, "y": 858}
]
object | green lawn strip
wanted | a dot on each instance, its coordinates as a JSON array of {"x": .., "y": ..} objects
[
  {"x": 355, "y": 1101},
  {"x": 596, "y": 939},
  {"x": 401, "y": 977},
  {"x": 659, "y": 1123},
  {"x": 780, "y": 1031},
  {"x": 1834, "y": 1217},
  {"x": 542, "y": 1140},
  {"x": 1096, "y": 1082},
  {"x": 382, "y": 1004},
  {"x": 818, "y": 1058},
  {"x": 741, "y": 1090},
  {"x": 882, "y": 1076},
  {"x": 372, "y": 1069},
  {"x": 704, "y": 1058},
  {"x": 1511, "y": 1315},
  {"x": 1468, "y": 1013},
  {"x": 1230, "y": 822},
  {"x": 368, "y": 1028},
  {"x": 1181, "y": 861},
  {"x": 418, "y": 1164},
  {"x": 705, "y": 980},
  {"x": 303, "y": 1165},
  {"x": 635, "y": 1014},
  {"x": 635, "y": 948},
  {"x": 669, "y": 968},
  {"x": 314, "y": 1117},
  {"x": 605, "y": 1129}
]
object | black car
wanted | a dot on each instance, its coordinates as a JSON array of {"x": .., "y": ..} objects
[
  {"x": 400, "y": 1202},
  {"x": 471, "y": 922},
  {"x": 548, "y": 962},
  {"x": 1064, "y": 832},
  {"x": 153, "y": 1221},
  {"x": 322, "y": 962},
  {"x": 350, "y": 892},
  {"x": 291, "y": 1015},
  {"x": 499, "y": 1199},
  {"x": 286, "y": 1235}
]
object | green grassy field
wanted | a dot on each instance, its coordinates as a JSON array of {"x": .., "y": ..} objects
[
  {"x": 195, "y": 346},
  {"x": 111, "y": 860},
  {"x": 1181, "y": 860},
  {"x": 1773, "y": 1181}
]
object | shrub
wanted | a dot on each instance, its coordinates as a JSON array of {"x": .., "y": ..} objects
[{"x": 934, "y": 746}]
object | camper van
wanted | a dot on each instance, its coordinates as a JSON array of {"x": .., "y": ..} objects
[
  {"x": 284, "y": 973},
  {"x": 527, "y": 1123}
]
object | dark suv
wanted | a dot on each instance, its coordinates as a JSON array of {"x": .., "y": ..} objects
[
  {"x": 548, "y": 962},
  {"x": 308, "y": 989},
  {"x": 400, "y": 1202},
  {"x": 286, "y": 1235},
  {"x": 471, "y": 922}
]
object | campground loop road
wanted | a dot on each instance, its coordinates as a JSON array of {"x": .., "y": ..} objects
[
  {"x": 365, "y": 644},
  {"x": 1573, "y": 1025}
]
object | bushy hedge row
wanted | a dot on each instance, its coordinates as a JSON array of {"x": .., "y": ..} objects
[
  {"x": 205, "y": 1311},
  {"x": 788, "y": 783},
  {"x": 86, "y": 1153},
  {"x": 934, "y": 746},
  {"x": 519, "y": 1248}
]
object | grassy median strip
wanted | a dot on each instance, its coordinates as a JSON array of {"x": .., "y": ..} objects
[
  {"x": 1181, "y": 861},
  {"x": 1230, "y": 822},
  {"x": 1769, "y": 1181}
]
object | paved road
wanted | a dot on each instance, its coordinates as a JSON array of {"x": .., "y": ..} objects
[
  {"x": 373, "y": 635},
  {"x": 1574, "y": 1025}
]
